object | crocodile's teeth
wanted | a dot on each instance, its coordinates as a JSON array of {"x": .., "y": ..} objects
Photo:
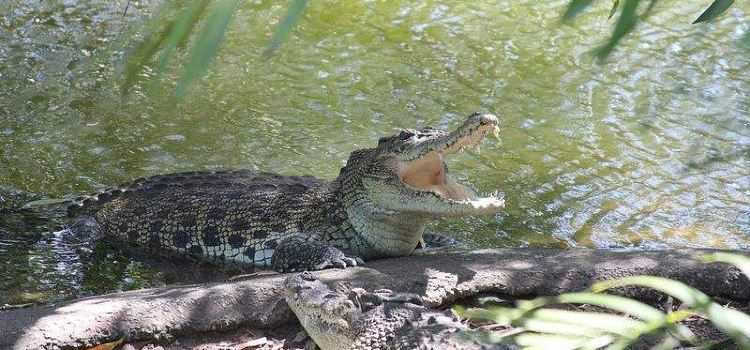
[{"x": 496, "y": 132}]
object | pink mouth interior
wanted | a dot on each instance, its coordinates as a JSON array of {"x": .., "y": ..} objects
[{"x": 428, "y": 174}]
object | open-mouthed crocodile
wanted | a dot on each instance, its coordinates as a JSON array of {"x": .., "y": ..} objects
[
  {"x": 356, "y": 319},
  {"x": 377, "y": 207}
]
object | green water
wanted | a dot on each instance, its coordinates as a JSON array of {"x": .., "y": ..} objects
[{"x": 651, "y": 150}]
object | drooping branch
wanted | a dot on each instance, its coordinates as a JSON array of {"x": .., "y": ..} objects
[{"x": 441, "y": 277}]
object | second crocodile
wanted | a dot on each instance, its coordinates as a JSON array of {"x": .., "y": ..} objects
[{"x": 355, "y": 319}]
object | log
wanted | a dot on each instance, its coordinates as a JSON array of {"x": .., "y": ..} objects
[{"x": 441, "y": 277}]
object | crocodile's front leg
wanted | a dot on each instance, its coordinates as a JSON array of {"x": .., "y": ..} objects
[{"x": 297, "y": 254}]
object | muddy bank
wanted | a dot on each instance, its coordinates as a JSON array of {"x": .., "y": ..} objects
[{"x": 441, "y": 277}]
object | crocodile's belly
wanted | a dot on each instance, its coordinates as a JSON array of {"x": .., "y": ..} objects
[{"x": 216, "y": 220}]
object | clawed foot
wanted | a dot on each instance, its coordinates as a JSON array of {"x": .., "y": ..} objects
[
  {"x": 338, "y": 260},
  {"x": 296, "y": 254}
]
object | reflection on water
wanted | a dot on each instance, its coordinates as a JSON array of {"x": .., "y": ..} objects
[{"x": 651, "y": 150}]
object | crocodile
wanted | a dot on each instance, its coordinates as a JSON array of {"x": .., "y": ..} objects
[
  {"x": 377, "y": 207},
  {"x": 355, "y": 319}
]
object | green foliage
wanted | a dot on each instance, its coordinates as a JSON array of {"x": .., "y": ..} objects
[
  {"x": 293, "y": 14},
  {"x": 574, "y": 8},
  {"x": 204, "y": 21},
  {"x": 207, "y": 43},
  {"x": 629, "y": 17},
  {"x": 717, "y": 8},
  {"x": 613, "y": 10},
  {"x": 625, "y": 24},
  {"x": 174, "y": 25},
  {"x": 539, "y": 327},
  {"x": 180, "y": 32}
]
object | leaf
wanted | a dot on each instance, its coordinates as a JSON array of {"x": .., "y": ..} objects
[
  {"x": 108, "y": 346},
  {"x": 742, "y": 262},
  {"x": 625, "y": 24},
  {"x": 574, "y": 8},
  {"x": 690, "y": 296},
  {"x": 145, "y": 50},
  {"x": 649, "y": 9},
  {"x": 714, "y": 10},
  {"x": 613, "y": 10},
  {"x": 499, "y": 315},
  {"x": 614, "y": 302},
  {"x": 560, "y": 342},
  {"x": 293, "y": 14},
  {"x": 655, "y": 318},
  {"x": 730, "y": 321},
  {"x": 558, "y": 328},
  {"x": 592, "y": 323},
  {"x": 180, "y": 31},
  {"x": 207, "y": 44}
]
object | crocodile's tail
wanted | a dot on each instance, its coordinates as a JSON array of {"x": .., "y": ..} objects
[
  {"x": 75, "y": 206},
  {"x": 90, "y": 203}
]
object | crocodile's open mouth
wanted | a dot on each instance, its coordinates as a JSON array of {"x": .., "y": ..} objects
[{"x": 428, "y": 172}]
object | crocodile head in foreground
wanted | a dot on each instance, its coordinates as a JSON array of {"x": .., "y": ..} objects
[
  {"x": 392, "y": 190},
  {"x": 356, "y": 319}
]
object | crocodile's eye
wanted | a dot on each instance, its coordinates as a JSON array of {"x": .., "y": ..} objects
[{"x": 405, "y": 135}]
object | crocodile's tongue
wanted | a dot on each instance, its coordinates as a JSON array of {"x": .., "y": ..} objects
[
  {"x": 429, "y": 173},
  {"x": 424, "y": 172}
]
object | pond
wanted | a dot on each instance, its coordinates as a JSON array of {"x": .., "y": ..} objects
[{"x": 650, "y": 150}]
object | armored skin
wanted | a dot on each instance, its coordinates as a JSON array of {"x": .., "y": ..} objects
[
  {"x": 356, "y": 319},
  {"x": 377, "y": 207}
]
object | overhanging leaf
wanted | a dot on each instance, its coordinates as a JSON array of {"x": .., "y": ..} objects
[
  {"x": 293, "y": 14},
  {"x": 714, "y": 10},
  {"x": 574, "y": 8},
  {"x": 613, "y": 10},
  {"x": 207, "y": 44},
  {"x": 180, "y": 31},
  {"x": 141, "y": 55},
  {"x": 625, "y": 24}
]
